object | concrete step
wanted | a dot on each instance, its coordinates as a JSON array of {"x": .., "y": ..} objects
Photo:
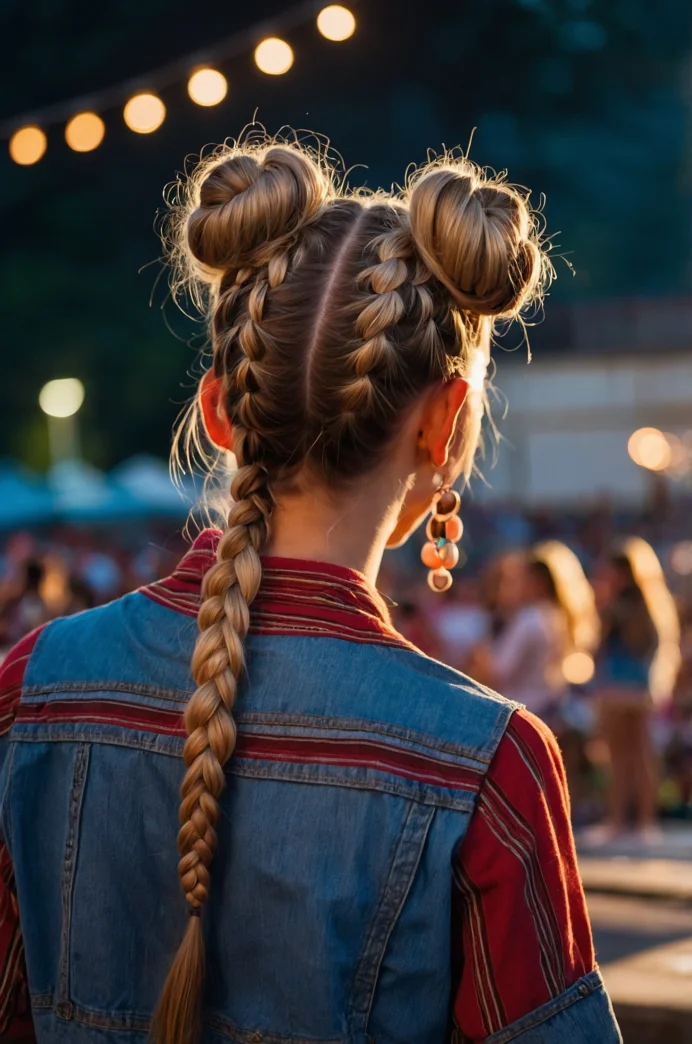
[
  {"x": 649, "y": 878},
  {"x": 652, "y": 994}
]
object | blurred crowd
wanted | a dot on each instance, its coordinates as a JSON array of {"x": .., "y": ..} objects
[
  {"x": 591, "y": 630},
  {"x": 605, "y": 659},
  {"x": 60, "y": 571}
]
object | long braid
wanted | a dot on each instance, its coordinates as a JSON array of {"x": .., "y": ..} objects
[
  {"x": 231, "y": 584},
  {"x": 217, "y": 665}
]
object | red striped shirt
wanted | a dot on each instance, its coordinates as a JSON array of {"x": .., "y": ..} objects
[
  {"x": 520, "y": 931},
  {"x": 15, "y": 1007}
]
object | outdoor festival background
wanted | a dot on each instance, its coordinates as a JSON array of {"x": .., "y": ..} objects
[{"x": 589, "y": 102}]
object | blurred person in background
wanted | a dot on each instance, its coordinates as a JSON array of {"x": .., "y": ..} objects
[
  {"x": 362, "y": 805},
  {"x": 414, "y": 621},
  {"x": 543, "y": 611},
  {"x": 79, "y": 596},
  {"x": 679, "y": 752},
  {"x": 637, "y": 667},
  {"x": 460, "y": 623},
  {"x": 27, "y": 608}
]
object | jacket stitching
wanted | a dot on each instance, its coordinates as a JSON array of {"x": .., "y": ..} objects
[
  {"x": 399, "y": 881},
  {"x": 5, "y": 815},
  {"x": 69, "y": 865},
  {"x": 479, "y": 755},
  {"x": 134, "y": 688}
]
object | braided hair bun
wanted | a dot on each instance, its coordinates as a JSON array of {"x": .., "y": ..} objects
[
  {"x": 476, "y": 237},
  {"x": 249, "y": 202}
]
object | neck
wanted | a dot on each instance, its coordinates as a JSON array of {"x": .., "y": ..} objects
[{"x": 348, "y": 530}]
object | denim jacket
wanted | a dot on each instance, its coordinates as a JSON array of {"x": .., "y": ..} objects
[{"x": 337, "y": 884}]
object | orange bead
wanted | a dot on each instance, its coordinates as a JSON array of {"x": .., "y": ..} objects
[
  {"x": 430, "y": 556},
  {"x": 454, "y": 529},
  {"x": 449, "y": 555},
  {"x": 439, "y": 580}
]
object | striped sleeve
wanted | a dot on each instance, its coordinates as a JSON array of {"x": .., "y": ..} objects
[
  {"x": 15, "y": 1009},
  {"x": 521, "y": 931}
]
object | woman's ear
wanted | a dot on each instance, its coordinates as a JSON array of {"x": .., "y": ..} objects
[
  {"x": 216, "y": 422},
  {"x": 439, "y": 422}
]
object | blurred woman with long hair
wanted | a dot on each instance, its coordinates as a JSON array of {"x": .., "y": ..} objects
[
  {"x": 546, "y": 616},
  {"x": 638, "y": 663}
]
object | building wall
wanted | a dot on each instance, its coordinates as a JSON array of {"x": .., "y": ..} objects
[{"x": 569, "y": 420}]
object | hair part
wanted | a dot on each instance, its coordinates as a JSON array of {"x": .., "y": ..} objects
[{"x": 330, "y": 313}]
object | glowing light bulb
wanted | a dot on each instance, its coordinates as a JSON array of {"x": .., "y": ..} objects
[
  {"x": 207, "y": 87},
  {"x": 273, "y": 56},
  {"x": 27, "y": 145},
  {"x": 61, "y": 398},
  {"x": 144, "y": 113},
  {"x": 649, "y": 448},
  {"x": 336, "y": 22},
  {"x": 85, "y": 132}
]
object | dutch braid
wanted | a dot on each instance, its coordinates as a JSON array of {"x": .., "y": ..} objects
[
  {"x": 384, "y": 308},
  {"x": 231, "y": 584}
]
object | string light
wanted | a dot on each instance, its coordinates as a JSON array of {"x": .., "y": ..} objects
[
  {"x": 144, "y": 113},
  {"x": 27, "y": 145},
  {"x": 336, "y": 22},
  {"x": 85, "y": 132},
  {"x": 207, "y": 87},
  {"x": 273, "y": 56}
]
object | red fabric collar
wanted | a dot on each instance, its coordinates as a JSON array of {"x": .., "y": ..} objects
[{"x": 295, "y": 597}]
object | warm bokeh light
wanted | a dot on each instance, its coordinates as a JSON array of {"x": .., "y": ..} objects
[
  {"x": 207, "y": 87},
  {"x": 681, "y": 558},
  {"x": 61, "y": 398},
  {"x": 273, "y": 56},
  {"x": 649, "y": 448},
  {"x": 578, "y": 668},
  {"x": 144, "y": 113},
  {"x": 85, "y": 132},
  {"x": 336, "y": 22},
  {"x": 27, "y": 145}
]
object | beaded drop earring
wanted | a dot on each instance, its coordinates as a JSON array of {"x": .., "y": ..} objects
[{"x": 444, "y": 530}]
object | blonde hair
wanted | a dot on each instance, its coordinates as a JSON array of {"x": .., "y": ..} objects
[
  {"x": 330, "y": 313},
  {"x": 649, "y": 578},
  {"x": 573, "y": 593}
]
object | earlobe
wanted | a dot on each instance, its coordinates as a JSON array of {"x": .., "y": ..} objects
[
  {"x": 439, "y": 441},
  {"x": 216, "y": 422}
]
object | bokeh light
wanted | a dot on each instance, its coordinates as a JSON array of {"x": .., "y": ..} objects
[
  {"x": 649, "y": 448},
  {"x": 61, "y": 398},
  {"x": 207, "y": 87},
  {"x": 27, "y": 145},
  {"x": 144, "y": 113},
  {"x": 85, "y": 132},
  {"x": 336, "y": 22},
  {"x": 578, "y": 668},
  {"x": 681, "y": 558},
  {"x": 273, "y": 56}
]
